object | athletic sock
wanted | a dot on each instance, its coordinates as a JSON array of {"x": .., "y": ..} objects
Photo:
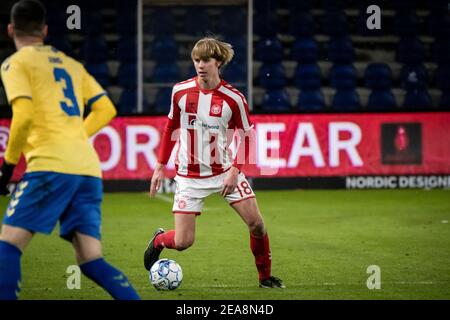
[
  {"x": 110, "y": 279},
  {"x": 165, "y": 240},
  {"x": 261, "y": 250},
  {"x": 10, "y": 274}
]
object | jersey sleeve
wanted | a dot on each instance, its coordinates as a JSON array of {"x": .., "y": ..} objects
[
  {"x": 240, "y": 116},
  {"x": 16, "y": 79},
  {"x": 92, "y": 90}
]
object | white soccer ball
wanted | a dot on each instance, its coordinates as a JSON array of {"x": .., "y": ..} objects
[{"x": 166, "y": 274}]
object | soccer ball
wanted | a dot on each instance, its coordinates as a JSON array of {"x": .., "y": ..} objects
[{"x": 166, "y": 274}]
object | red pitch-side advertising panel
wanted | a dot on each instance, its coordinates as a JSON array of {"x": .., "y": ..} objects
[{"x": 294, "y": 145}]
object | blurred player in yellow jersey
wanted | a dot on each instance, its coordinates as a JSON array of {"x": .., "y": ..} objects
[{"x": 48, "y": 91}]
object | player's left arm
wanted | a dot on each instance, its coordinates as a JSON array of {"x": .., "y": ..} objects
[
  {"x": 102, "y": 109},
  {"x": 102, "y": 112}
]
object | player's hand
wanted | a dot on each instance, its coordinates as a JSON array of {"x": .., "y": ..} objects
[
  {"x": 6, "y": 173},
  {"x": 157, "y": 178},
  {"x": 230, "y": 182}
]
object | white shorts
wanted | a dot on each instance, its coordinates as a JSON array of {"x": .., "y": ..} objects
[{"x": 191, "y": 193}]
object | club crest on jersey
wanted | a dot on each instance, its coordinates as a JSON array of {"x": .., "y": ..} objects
[{"x": 215, "y": 110}]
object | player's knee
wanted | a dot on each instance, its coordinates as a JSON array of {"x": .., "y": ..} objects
[
  {"x": 183, "y": 244},
  {"x": 257, "y": 228}
]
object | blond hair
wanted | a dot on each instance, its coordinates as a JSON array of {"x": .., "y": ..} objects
[{"x": 210, "y": 47}]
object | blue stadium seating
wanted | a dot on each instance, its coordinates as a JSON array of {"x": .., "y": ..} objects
[
  {"x": 335, "y": 24},
  {"x": 264, "y": 6},
  {"x": 272, "y": 76},
  {"x": 332, "y": 5},
  {"x": 269, "y": 50},
  {"x": 307, "y": 77},
  {"x": 301, "y": 24},
  {"x": 406, "y": 24},
  {"x": 166, "y": 73},
  {"x": 266, "y": 25},
  {"x": 95, "y": 49},
  {"x": 127, "y": 49},
  {"x": 100, "y": 72},
  {"x": 235, "y": 72},
  {"x": 162, "y": 100},
  {"x": 346, "y": 100},
  {"x": 161, "y": 22},
  {"x": 295, "y": 6},
  {"x": 410, "y": 50},
  {"x": 439, "y": 24},
  {"x": 276, "y": 101},
  {"x": 340, "y": 50},
  {"x": 343, "y": 76},
  {"x": 164, "y": 49},
  {"x": 404, "y": 6},
  {"x": 381, "y": 100},
  {"x": 126, "y": 24},
  {"x": 417, "y": 99},
  {"x": 444, "y": 102},
  {"x": 413, "y": 76},
  {"x": 311, "y": 101},
  {"x": 127, "y": 75},
  {"x": 305, "y": 50},
  {"x": 197, "y": 21},
  {"x": 232, "y": 22},
  {"x": 239, "y": 44},
  {"x": 127, "y": 102},
  {"x": 378, "y": 76},
  {"x": 441, "y": 51},
  {"x": 443, "y": 78},
  {"x": 92, "y": 23}
]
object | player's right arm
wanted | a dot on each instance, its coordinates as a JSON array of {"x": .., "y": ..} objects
[{"x": 168, "y": 141}]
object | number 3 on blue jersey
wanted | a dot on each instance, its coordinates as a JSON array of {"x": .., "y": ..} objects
[{"x": 73, "y": 110}]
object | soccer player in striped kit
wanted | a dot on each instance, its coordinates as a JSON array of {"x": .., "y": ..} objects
[{"x": 205, "y": 112}]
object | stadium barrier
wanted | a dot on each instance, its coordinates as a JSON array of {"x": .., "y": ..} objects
[{"x": 355, "y": 151}]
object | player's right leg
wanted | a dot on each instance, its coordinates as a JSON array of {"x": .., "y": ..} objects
[
  {"x": 181, "y": 238},
  {"x": 13, "y": 241}
]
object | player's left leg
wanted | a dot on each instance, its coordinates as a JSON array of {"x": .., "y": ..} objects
[
  {"x": 13, "y": 241},
  {"x": 88, "y": 251}
]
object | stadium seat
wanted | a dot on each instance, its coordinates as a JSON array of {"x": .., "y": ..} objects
[
  {"x": 239, "y": 19},
  {"x": 272, "y": 76},
  {"x": 406, "y": 24},
  {"x": 127, "y": 75},
  {"x": 100, "y": 72},
  {"x": 269, "y": 50},
  {"x": 266, "y": 25},
  {"x": 196, "y": 21},
  {"x": 164, "y": 49},
  {"x": 444, "y": 102},
  {"x": 346, "y": 100},
  {"x": 410, "y": 50},
  {"x": 443, "y": 78},
  {"x": 413, "y": 76},
  {"x": 439, "y": 24},
  {"x": 95, "y": 49},
  {"x": 378, "y": 76},
  {"x": 441, "y": 51},
  {"x": 276, "y": 101},
  {"x": 340, "y": 50},
  {"x": 305, "y": 50},
  {"x": 381, "y": 100},
  {"x": 417, "y": 99},
  {"x": 335, "y": 24},
  {"x": 166, "y": 73},
  {"x": 301, "y": 24},
  {"x": 343, "y": 76},
  {"x": 126, "y": 24},
  {"x": 307, "y": 77},
  {"x": 127, "y": 102},
  {"x": 295, "y": 6},
  {"x": 162, "y": 101},
  {"x": 161, "y": 22},
  {"x": 310, "y": 101},
  {"x": 127, "y": 49},
  {"x": 235, "y": 72}
]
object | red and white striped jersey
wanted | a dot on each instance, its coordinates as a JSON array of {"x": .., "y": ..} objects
[{"x": 206, "y": 120}]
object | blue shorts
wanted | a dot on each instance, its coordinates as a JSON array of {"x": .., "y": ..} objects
[{"x": 43, "y": 198}]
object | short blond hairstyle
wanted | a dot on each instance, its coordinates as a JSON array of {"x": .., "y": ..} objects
[{"x": 210, "y": 47}]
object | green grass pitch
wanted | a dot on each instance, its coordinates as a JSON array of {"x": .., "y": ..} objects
[{"x": 322, "y": 243}]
